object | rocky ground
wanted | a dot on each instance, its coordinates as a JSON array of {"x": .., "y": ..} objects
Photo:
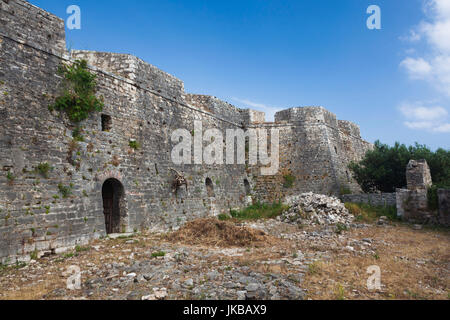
[{"x": 296, "y": 262}]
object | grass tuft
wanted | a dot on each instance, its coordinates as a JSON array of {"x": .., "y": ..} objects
[
  {"x": 259, "y": 211},
  {"x": 369, "y": 213}
]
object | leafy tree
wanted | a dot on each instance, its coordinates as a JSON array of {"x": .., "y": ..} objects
[{"x": 384, "y": 167}]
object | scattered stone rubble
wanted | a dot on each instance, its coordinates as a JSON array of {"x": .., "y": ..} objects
[
  {"x": 316, "y": 209},
  {"x": 129, "y": 269}
]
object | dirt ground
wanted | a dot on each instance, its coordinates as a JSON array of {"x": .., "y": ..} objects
[{"x": 302, "y": 263}]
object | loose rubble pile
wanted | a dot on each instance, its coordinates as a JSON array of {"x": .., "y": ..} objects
[{"x": 316, "y": 209}]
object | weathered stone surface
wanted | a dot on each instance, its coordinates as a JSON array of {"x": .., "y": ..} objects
[
  {"x": 418, "y": 175},
  {"x": 143, "y": 104},
  {"x": 375, "y": 199}
]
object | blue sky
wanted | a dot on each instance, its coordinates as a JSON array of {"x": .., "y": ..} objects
[{"x": 272, "y": 55}]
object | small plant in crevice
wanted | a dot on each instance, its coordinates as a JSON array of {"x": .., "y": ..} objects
[
  {"x": 34, "y": 255},
  {"x": 65, "y": 191},
  {"x": 77, "y": 135},
  {"x": 134, "y": 145},
  {"x": 72, "y": 153},
  {"x": 288, "y": 181},
  {"x": 44, "y": 169},
  {"x": 11, "y": 178},
  {"x": 78, "y": 99}
]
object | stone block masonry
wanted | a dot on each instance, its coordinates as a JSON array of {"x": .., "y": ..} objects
[
  {"x": 375, "y": 199},
  {"x": 102, "y": 184}
]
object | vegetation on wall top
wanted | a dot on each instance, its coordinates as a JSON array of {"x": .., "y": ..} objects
[{"x": 78, "y": 99}]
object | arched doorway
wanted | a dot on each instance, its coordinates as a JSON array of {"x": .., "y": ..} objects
[
  {"x": 113, "y": 194},
  {"x": 209, "y": 187}
]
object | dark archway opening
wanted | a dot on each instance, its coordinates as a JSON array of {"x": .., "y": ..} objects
[
  {"x": 113, "y": 205},
  {"x": 248, "y": 189},
  {"x": 209, "y": 187}
]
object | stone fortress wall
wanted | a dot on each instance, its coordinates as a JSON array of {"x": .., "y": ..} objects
[{"x": 145, "y": 104}]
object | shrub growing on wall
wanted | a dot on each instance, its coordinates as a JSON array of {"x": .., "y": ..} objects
[{"x": 78, "y": 99}]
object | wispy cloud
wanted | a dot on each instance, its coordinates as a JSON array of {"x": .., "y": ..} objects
[
  {"x": 431, "y": 65},
  {"x": 417, "y": 68},
  {"x": 269, "y": 110},
  {"x": 425, "y": 117}
]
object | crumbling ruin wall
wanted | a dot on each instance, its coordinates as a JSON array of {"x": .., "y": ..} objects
[
  {"x": 413, "y": 203},
  {"x": 375, "y": 199},
  {"x": 40, "y": 213}
]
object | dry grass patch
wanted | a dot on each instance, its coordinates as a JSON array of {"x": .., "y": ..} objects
[
  {"x": 414, "y": 265},
  {"x": 213, "y": 232}
]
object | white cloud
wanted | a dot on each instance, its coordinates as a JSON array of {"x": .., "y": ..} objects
[
  {"x": 419, "y": 112},
  {"x": 413, "y": 36},
  {"x": 444, "y": 128},
  {"x": 419, "y": 125},
  {"x": 434, "y": 65},
  {"x": 429, "y": 118},
  {"x": 417, "y": 68},
  {"x": 440, "y": 8},
  {"x": 431, "y": 65},
  {"x": 437, "y": 34},
  {"x": 269, "y": 110}
]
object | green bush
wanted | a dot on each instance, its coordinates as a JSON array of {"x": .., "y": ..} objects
[
  {"x": 384, "y": 167},
  {"x": 78, "y": 99}
]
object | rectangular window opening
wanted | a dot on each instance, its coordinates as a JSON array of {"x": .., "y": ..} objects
[{"x": 106, "y": 123}]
